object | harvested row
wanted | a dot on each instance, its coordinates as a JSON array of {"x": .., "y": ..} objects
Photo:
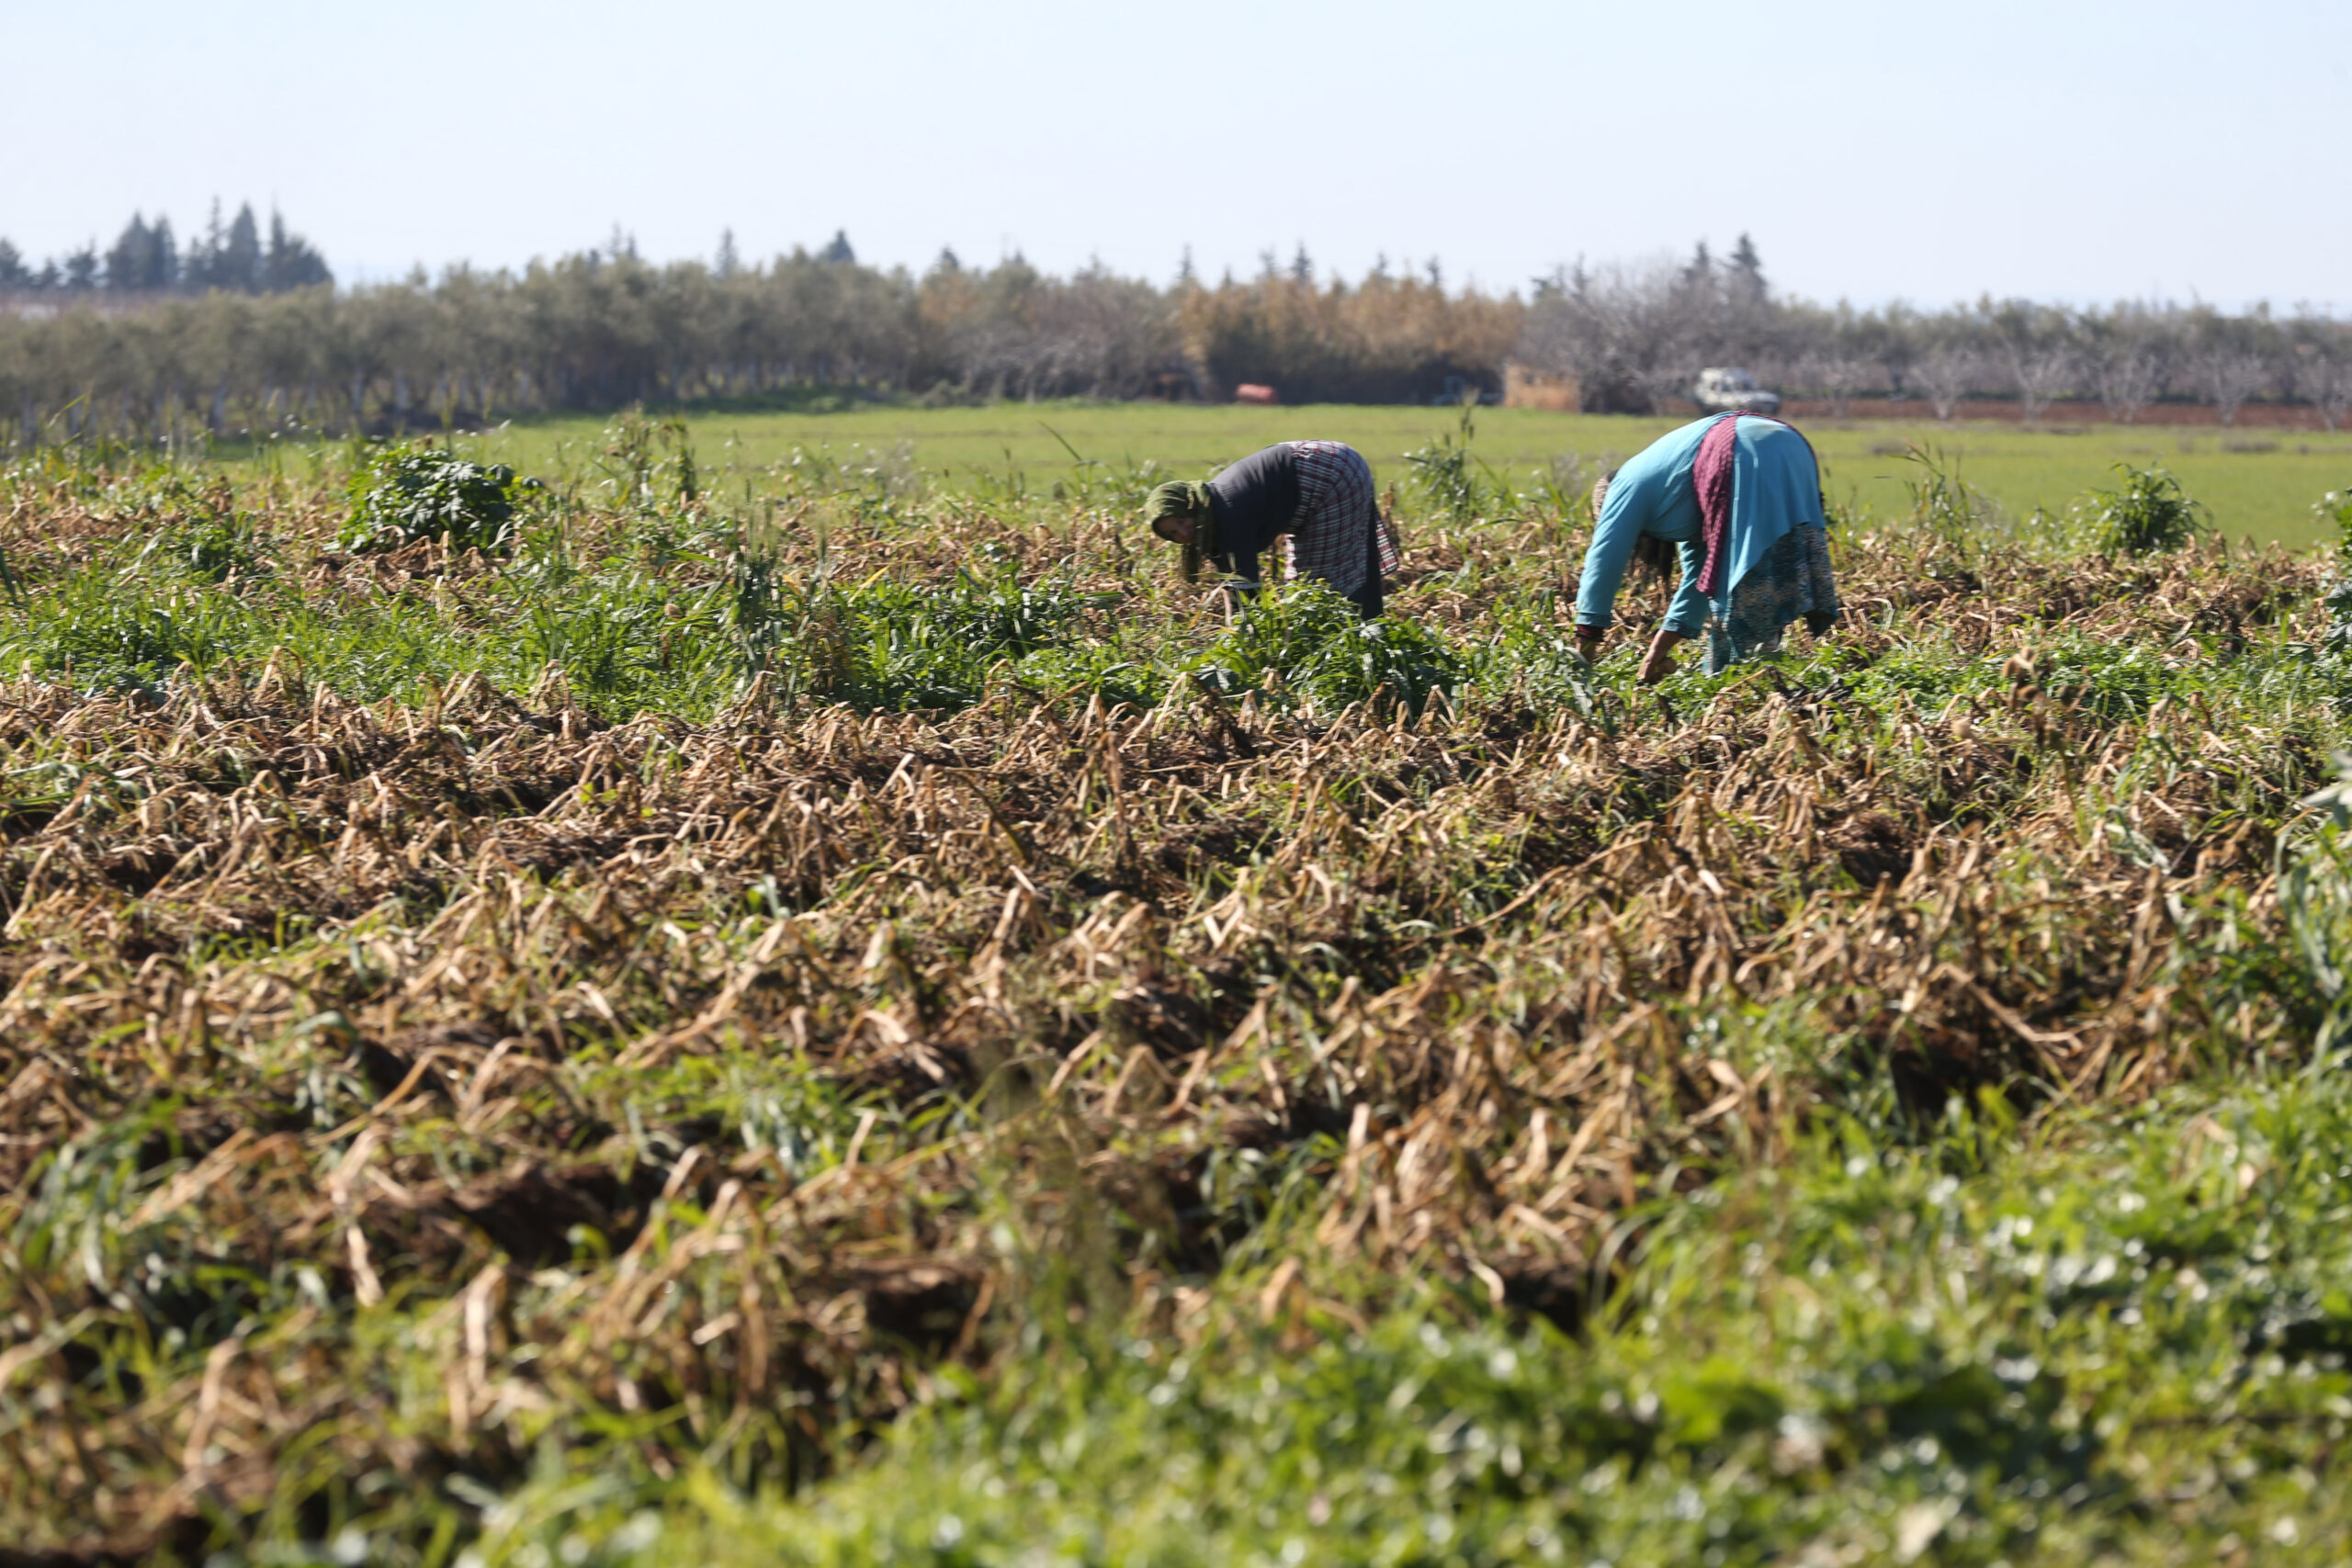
[
  {"x": 399, "y": 1090},
  {"x": 672, "y": 1080}
]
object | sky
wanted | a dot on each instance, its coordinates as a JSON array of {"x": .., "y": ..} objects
[{"x": 2066, "y": 150}]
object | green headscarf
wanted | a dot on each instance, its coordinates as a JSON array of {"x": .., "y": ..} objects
[{"x": 1179, "y": 499}]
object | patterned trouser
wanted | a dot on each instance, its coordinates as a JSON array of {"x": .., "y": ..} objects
[
  {"x": 1793, "y": 580},
  {"x": 1338, "y": 530}
]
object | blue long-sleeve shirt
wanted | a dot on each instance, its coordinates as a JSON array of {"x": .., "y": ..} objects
[
  {"x": 1651, "y": 494},
  {"x": 1776, "y": 486}
]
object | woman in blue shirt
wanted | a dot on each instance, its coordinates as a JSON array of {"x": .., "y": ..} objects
[{"x": 1739, "y": 497}]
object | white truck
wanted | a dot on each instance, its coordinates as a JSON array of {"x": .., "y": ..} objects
[{"x": 1723, "y": 389}]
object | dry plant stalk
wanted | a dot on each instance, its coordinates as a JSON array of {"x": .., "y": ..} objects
[{"x": 372, "y": 1048}]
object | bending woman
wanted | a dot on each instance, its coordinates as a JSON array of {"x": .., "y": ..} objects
[
  {"x": 1318, "y": 493},
  {"x": 1740, "y": 496}
]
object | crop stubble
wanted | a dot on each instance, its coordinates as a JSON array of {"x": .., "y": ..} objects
[{"x": 391, "y": 1088}]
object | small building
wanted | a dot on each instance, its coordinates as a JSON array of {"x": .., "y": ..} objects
[{"x": 1527, "y": 389}]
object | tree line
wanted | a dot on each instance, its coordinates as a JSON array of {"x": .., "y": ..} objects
[
  {"x": 1635, "y": 336},
  {"x": 185, "y": 351},
  {"x": 146, "y": 261}
]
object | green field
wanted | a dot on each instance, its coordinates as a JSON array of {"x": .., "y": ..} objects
[
  {"x": 876, "y": 1027},
  {"x": 2264, "y": 490}
]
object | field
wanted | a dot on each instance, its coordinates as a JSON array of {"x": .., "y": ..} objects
[
  {"x": 2259, "y": 483},
  {"x": 798, "y": 1012}
]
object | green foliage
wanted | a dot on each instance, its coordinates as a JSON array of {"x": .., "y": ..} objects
[
  {"x": 206, "y": 537},
  {"x": 109, "y": 630},
  {"x": 2148, "y": 514},
  {"x": 2333, "y": 510},
  {"x": 891, "y": 644},
  {"x": 643, "y": 457},
  {"x": 1987, "y": 1349},
  {"x": 1997, "y": 1214},
  {"x": 1955, "y": 516},
  {"x": 1449, "y": 480},
  {"x": 403, "y": 493},
  {"x": 2315, "y": 896},
  {"x": 2333, "y": 514},
  {"x": 1312, "y": 642},
  {"x": 2113, "y": 680}
]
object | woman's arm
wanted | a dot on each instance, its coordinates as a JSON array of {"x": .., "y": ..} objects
[
  {"x": 1614, "y": 532},
  {"x": 1686, "y": 615},
  {"x": 1241, "y": 565}
]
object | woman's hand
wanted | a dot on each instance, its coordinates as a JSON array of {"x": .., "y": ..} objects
[{"x": 1660, "y": 662}]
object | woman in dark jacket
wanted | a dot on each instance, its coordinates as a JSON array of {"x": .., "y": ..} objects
[{"x": 1318, "y": 494}]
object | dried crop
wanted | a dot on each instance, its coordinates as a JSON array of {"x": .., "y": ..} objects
[{"x": 661, "y": 1006}]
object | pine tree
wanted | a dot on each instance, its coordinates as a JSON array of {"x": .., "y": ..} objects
[
  {"x": 200, "y": 271},
  {"x": 728, "y": 263},
  {"x": 163, "y": 257},
  {"x": 127, "y": 262},
  {"x": 238, "y": 267},
  {"x": 13, "y": 273},
  {"x": 1747, "y": 285},
  {"x": 839, "y": 250},
  {"x": 290, "y": 263},
  {"x": 144, "y": 260},
  {"x": 1701, "y": 273}
]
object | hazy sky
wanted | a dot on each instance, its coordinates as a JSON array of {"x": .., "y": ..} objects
[{"x": 2057, "y": 149}]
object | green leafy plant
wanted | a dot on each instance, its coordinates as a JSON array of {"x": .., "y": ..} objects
[
  {"x": 2334, "y": 510},
  {"x": 1954, "y": 513},
  {"x": 205, "y": 536},
  {"x": 1447, "y": 476},
  {"x": 406, "y": 494},
  {"x": 887, "y": 1066},
  {"x": 2147, "y": 514},
  {"x": 1316, "y": 644},
  {"x": 644, "y": 456}
]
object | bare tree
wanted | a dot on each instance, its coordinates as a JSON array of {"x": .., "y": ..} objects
[
  {"x": 1946, "y": 372},
  {"x": 598, "y": 329},
  {"x": 2126, "y": 371},
  {"x": 1837, "y": 373},
  {"x": 2327, "y": 380},
  {"x": 1618, "y": 331},
  {"x": 2230, "y": 376},
  {"x": 2226, "y": 358},
  {"x": 1638, "y": 336},
  {"x": 2041, "y": 372},
  {"x": 2318, "y": 367},
  {"x": 2036, "y": 346}
]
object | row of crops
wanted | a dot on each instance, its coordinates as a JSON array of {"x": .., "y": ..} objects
[{"x": 769, "y": 1017}]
